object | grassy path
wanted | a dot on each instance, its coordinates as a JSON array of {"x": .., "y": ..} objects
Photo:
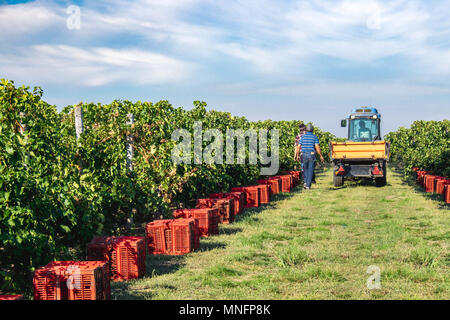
[{"x": 315, "y": 244}]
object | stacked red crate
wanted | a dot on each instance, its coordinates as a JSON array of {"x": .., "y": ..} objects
[
  {"x": 273, "y": 185},
  {"x": 11, "y": 297},
  {"x": 129, "y": 254},
  {"x": 239, "y": 201},
  {"x": 49, "y": 284},
  {"x": 224, "y": 205},
  {"x": 208, "y": 219},
  {"x": 238, "y": 198},
  {"x": 296, "y": 177},
  {"x": 91, "y": 283},
  {"x": 155, "y": 233},
  {"x": 251, "y": 195},
  {"x": 276, "y": 182},
  {"x": 72, "y": 280},
  {"x": 100, "y": 249},
  {"x": 286, "y": 183},
  {"x": 429, "y": 183},
  {"x": 421, "y": 177},
  {"x": 185, "y": 236},
  {"x": 173, "y": 237},
  {"x": 447, "y": 193},
  {"x": 264, "y": 194},
  {"x": 125, "y": 256},
  {"x": 291, "y": 181},
  {"x": 440, "y": 185}
]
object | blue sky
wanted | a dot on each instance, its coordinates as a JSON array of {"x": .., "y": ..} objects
[{"x": 311, "y": 60}]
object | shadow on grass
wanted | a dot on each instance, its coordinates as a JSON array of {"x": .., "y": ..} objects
[
  {"x": 125, "y": 290},
  {"x": 159, "y": 264},
  {"x": 358, "y": 183},
  {"x": 439, "y": 199},
  {"x": 250, "y": 212},
  {"x": 230, "y": 229},
  {"x": 206, "y": 246},
  {"x": 155, "y": 265}
]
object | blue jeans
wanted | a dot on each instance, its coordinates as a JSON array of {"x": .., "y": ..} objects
[{"x": 309, "y": 161}]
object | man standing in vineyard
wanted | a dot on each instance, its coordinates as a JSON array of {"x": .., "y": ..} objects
[
  {"x": 297, "y": 145},
  {"x": 309, "y": 146}
]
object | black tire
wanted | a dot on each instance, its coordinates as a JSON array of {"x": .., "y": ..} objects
[
  {"x": 338, "y": 181},
  {"x": 381, "y": 182}
]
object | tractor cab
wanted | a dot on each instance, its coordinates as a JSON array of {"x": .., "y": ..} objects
[
  {"x": 364, "y": 125},
  {"x": 364, "y": 155}
]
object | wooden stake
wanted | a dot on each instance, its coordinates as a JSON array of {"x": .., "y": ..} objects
[
  {"x": 130, "y": 141},
  {"x": 79, "y": 129}
]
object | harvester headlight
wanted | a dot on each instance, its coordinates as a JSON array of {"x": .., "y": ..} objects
[{"x": 375, "y": 116}]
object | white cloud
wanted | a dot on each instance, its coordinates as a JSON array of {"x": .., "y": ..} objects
[
  {"x": 160, "y": 22},
  {"x": 332, "y": 90},
  {"x": 357, "y": 90},
  {"x": 27, "y": 19},
  {"x": 93, "y": 66},
  {"x": 272, "y": 37},
  {"x": 278, "y": 37}
]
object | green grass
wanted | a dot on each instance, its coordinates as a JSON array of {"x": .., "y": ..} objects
[{"x": 315, "y": 244}]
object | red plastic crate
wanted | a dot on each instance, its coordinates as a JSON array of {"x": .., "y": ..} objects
[
  {"x": 238, "y": 198},
  {"x": 286, "y": 183},
  {"x": 429, "y": 183},
  {"x": 421, "y": 177},
  {"x": 11, "y": 297},
  {"x": 418, "y": 176},
  {"x": 173, "y": 237},
  {"x": 208, "y": 219},
  {"x": 447, "y": 193},
  {"x": 87, "y": 281},
  {"x": 90, "y": 283},
  {"x": 105, "y": 265},
  {"x": 155, "y": 234},
  {"x": 224, "y": 205},
  {"x": 184, "y": 236},
  {"x": 273, "y": 185},
  {"x": 222, "y": 196},
  {"x": 100, "y": 249},
  {"x": 291, "y": 181},
  {"x": 440, "y": 184},
  {"x": 239, "y": 201},
  {"x": 94, "y": 284},
  {"x": 129, "y": 254},
  {"x": 296, "y": 177},
  {"x": 276, "y": 182},
  {"x": 251, "y": 195},
  {"x": 49, "y": 283},
  {"x": 45, "y": 285},
  {"x": 125, "y": 256},
  {"x": 228, "y": 210},
  {"x": 264, "y": 193}
]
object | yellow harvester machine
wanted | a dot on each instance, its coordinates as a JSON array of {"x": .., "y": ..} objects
[{"x": 364, "y": 154}]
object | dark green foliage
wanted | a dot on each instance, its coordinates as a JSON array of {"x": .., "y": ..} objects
[
  {"x": 426, "y": 145},
  {"x": 56, "y": 193}
]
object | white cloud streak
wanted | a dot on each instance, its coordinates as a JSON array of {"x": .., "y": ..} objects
[
  {"x": 177, "y": 38},
  {"x": 94, "y": 66}
]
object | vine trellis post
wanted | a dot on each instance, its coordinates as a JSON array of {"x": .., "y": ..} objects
[{"x": 79, "y": 129}]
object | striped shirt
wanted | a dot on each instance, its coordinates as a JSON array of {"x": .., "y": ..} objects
[
  {"x": 308, "y": 141},
  {"x": 298, "y": 137}
]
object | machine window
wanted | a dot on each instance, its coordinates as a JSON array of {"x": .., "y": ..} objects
[{"x": 363, "y": 129}]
